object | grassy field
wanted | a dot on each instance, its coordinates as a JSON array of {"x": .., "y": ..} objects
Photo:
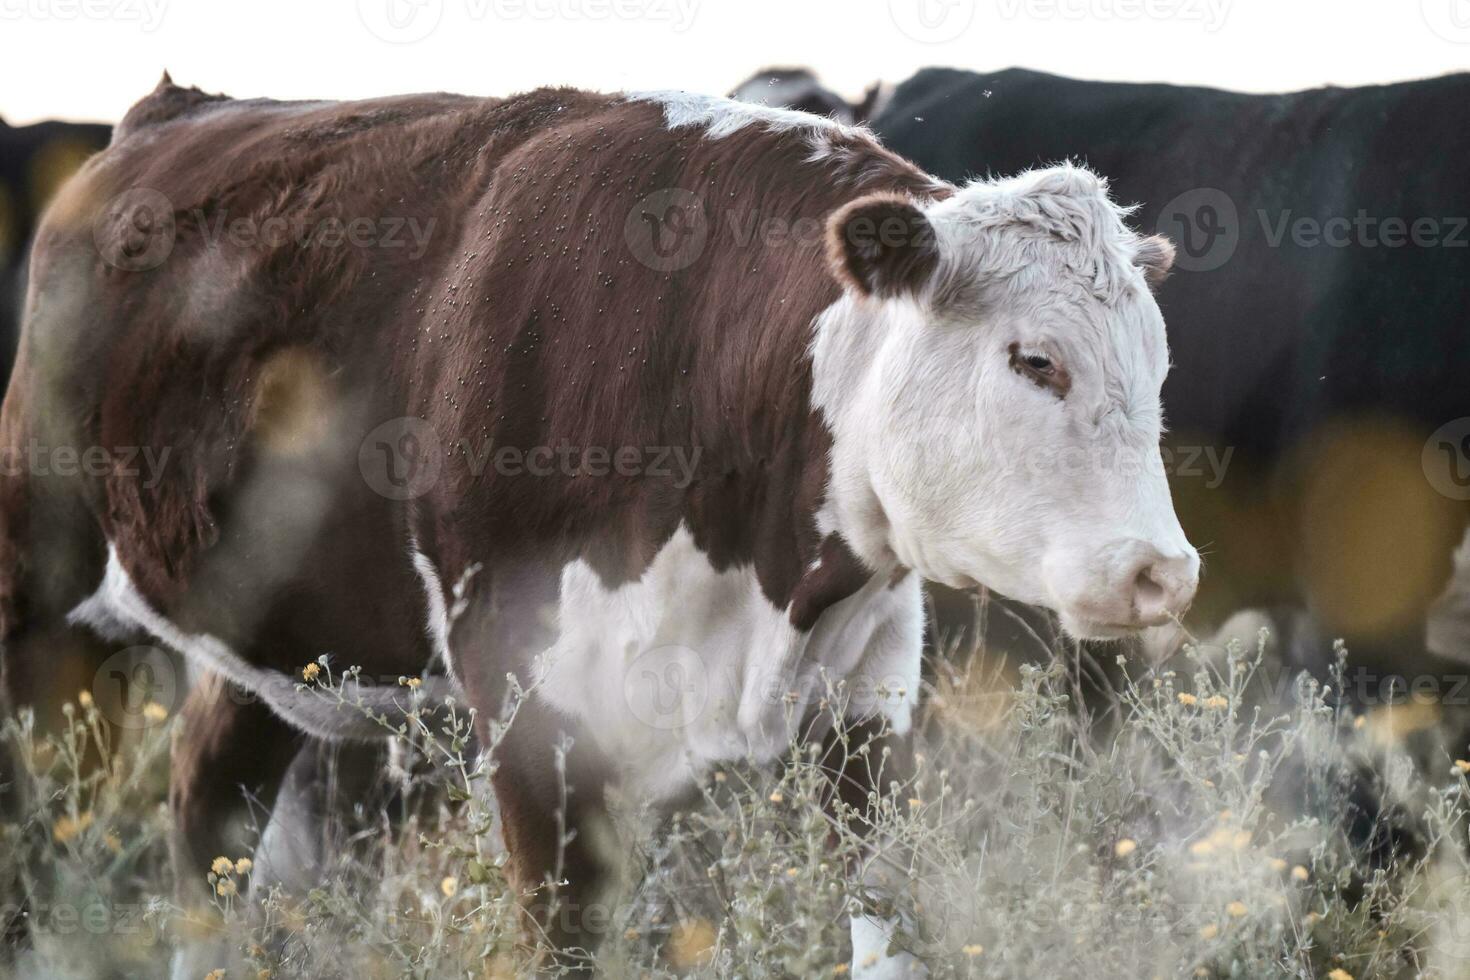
[{"x": 1202, "y": 824}]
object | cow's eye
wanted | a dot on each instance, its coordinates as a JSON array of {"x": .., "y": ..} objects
[{"x": 1040, "y": 370}]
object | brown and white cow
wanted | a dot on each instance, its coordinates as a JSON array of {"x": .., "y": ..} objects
[{"x": 718, "y": 383}]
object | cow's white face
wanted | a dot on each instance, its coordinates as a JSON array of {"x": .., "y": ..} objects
[{"x": 992, "y": 379}]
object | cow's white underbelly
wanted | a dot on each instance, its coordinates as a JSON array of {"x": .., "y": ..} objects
[{"x": 689, "y": 666}]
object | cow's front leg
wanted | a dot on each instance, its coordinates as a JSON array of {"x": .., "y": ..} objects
[
  {"x": 550, "y": 791},
  {"x": 866, "y": 762},
  {"x": 548, "y": 778}
]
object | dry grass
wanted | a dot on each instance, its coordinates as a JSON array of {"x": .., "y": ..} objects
[{"x": 1200, "y": 830}]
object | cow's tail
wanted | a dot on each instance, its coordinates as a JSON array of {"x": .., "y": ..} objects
[
  {"x": 355, "y": 710},
  {"x": 348, "y": 706}
]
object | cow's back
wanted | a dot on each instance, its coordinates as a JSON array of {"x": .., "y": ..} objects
[{"x": 228, "y": 291}]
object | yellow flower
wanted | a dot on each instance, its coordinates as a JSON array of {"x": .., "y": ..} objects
[
  {"x": 449, "y": 886},
  {"x": 1216, "y": 701},
  {"x": 1276, "y": 864},
  {"x": 839, "y": 970},
  {"x": 1125, "y": 847},
  {"x": 1188, "y": 699},
  {"x": 1236, "y": 910},
  {"x": 1210, "y": 931},
  {"x": 792, "y": 872},
  {"x": 226, "y": 887},
  {"x": 222, "y": 866},
  {"x": 691, "y": 944},
  {"x": 66, "y": 829},
  {"x": 720, "y": 777},
  {"x": 915, "y": 803},
  {"x": 776, "y": 797},
  {"x": 243, "y": 866},
  {"x": 113, "y": 842},
  {"x": 413, "y": 682},
  {"x": 155, "y": 712},
  {"x": 215, "y": 975},
  {"x": 1462, "y": 765},
  {"x": 1392, "y": 723},
  {"x": 84, "y": 698},
  {"x": 1300, "y": 873},
  {"x": 632, "y": 935},
  {"x": 1360, "y": 721},
  {"x": 972, "y": 949},
  {"x": 311, "y": 672},
  {"x": 1339, "y": 974}
]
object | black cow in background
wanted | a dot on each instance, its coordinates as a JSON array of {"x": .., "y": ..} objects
[
  {"x": 34, "y": 161},
  {"x": 1319, "y": 318},
  {"x": 798, "y": 88}
]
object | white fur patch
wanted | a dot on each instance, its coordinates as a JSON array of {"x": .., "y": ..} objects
[
  {"x": 690, "y": 666},
  {"x": 721, "y": 117},
  {"x": 870, "y": 959},
  {"x": 437, "y": 626}
]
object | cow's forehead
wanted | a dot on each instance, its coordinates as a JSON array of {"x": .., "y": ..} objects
[{"x": 1060, "y": 218}]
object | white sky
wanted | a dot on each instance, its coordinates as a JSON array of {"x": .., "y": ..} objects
[{"x": 90, "y": 59}]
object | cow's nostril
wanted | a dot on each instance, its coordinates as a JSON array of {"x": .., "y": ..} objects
[
  {"x": 1149, "y": 592},
  {"x": 1162, "y": 588}
]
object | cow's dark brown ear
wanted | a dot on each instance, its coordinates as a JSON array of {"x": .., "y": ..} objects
[
  {"x": 1155, "y": 257},
  {"x": 882, "y": 245}
]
